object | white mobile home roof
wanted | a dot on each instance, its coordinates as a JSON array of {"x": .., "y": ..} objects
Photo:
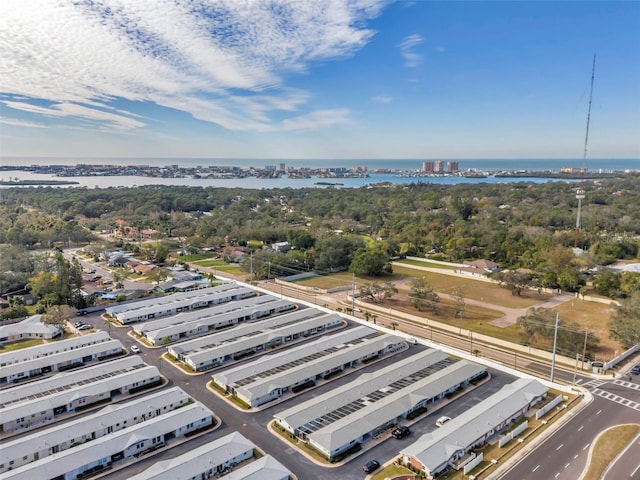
[
  {"x": 435, "y": 448},
  {"x": 200, "y": 315},
  {"x": 109, "y": 415},
  {"x": 52, "y": 347},
  {"x": 72, "y": 378},
  {"x": 106, "y": 348},
  {"x": 198, "y": 460},
  {"x": 290, "y": 376},
  {"x": 73, "y": 458},
  {"x": 303, "y": 413},
  {"x": 396, "y": 404},
  {"x": 167, "y": 299},
  {"x": 264, "y": 337},
  {"x": 262, "y": 367},
  {"x": 49, "y": 399},
  {"x": 207, "y": 341},
  {"x": 265, "y": 468},
  {"x": 260, "y": 309}
]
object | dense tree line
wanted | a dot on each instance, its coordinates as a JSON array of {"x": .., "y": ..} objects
[{"x": 519, "y": 225}]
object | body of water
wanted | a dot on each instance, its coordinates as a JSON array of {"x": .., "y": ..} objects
[{"x": 605, "y": 165}]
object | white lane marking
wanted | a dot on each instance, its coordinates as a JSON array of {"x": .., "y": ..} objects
[
  {"x": 598, "y": 412},
  {"x": 561, "y": 445},
  {"x": 537, "y": 467},
  {"x": 581, "y": 427},
  {"x": 567, "y": 465},
  {"x": 586, "y": 446},
  {"x": 634, "y": 472},
  {"x": 557, "y": 475},
  {"x": 576, "y": 456}
]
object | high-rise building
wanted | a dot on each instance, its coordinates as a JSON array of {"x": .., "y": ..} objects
[
  {"x": 452, "y": 167},
  {"x": 438, "y": 166},
  {"x": 427, "y": 167}
]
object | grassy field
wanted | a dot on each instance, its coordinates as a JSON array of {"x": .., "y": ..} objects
[
  {"x": 608, "y": 446},
  {"x": 220, "y": 265},
  {"x": 420, "y": 263},
  {"x": 475, "y": 318},
  {"x": 10, "y": 347},
  {"x": 194, "y": 258},
  {"x": 474, "y": 289},
  {"x": 595, "y": 318}
]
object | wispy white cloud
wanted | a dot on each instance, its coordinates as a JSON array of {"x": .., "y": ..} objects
[
  {"x": 222, "y": 61},
  {"x": 21, "y": 123},
  {"x": 381, "y": 99},
  {"x": 440, "y": 49},
  {"x": 316, "y": 119},
  {"x": 411, "y": 58},
  {"x": 118, "y": 122}
]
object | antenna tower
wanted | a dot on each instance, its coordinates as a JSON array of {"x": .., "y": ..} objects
[{"x": 580, "y": 192}]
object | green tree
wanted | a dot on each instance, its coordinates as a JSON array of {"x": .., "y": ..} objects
[
  {"x": 607, "y": 283},
  {"x": 630, "y": 282},
  {"x": 371, "y": 263},
  {"x": 423, "y": 295},
  {"x": 334, "y": 252},
  {"x": 378, "y": 292},
  {"x": 514, "y": 281},
  {"x": 57, "y": 315},
  {"x": 43, "y": 283},
  {"x": 624, "y": 325},
  {"x": 157, "y": 275},
  {"x": 537, "y": 323}
]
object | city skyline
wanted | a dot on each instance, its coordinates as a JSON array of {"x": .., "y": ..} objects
[{"x": 333, "y": 79}]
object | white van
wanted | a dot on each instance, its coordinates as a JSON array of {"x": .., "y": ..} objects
[{"x": 442, "y": 420}]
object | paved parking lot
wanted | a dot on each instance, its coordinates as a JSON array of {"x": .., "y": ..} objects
[{"x": 254, "y": 425}]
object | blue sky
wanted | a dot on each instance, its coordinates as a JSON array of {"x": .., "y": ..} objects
[{"x": 318, "y": 79}]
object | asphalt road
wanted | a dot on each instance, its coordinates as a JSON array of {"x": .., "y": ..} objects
[{"x": 564, "y": 455}]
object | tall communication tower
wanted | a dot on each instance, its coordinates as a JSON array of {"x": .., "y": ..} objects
[{"x": 580, "y": 192}]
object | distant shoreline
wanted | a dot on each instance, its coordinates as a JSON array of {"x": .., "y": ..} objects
[{"x": 33, "y": 183}]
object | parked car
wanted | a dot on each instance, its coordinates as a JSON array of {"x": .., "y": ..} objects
[
  {"x": 135, "y": 349},
  {"x": 442, "y": 420},
  {"x": 400, "y": 432},
  {"x": 85, "y": 327},
  {"x": 370, "y": 466},
  {"x": 636, "y": 370}
]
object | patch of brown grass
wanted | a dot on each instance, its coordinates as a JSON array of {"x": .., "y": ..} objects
[
  {"x": 595, "y": 318},
  {"x": 608, "y": 446}
]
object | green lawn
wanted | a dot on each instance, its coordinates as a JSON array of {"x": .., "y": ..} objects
[
  {"x": 220, "y": 265},
  {"x": 19, "y": 345},
  {"x": 193, "y": 258},
  {"x": 420, "y": 263}
]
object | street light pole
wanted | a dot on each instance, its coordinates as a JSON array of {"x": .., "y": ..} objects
[{"x": 555, "y": 340}]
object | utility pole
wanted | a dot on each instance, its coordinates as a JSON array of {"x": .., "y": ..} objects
[
  {"x": 251, "y": 268},
  {"x": 353, "y": 294},
  {"x": 555, "y": 340},
  {"x": 584, "y": 350}
]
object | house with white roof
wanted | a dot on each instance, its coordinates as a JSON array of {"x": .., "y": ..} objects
[{"x": 435, "y": 452}]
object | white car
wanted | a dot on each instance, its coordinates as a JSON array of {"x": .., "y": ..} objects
[
  {"x": 442, "y": 420},
  {"x": 135, "y": 349}
]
